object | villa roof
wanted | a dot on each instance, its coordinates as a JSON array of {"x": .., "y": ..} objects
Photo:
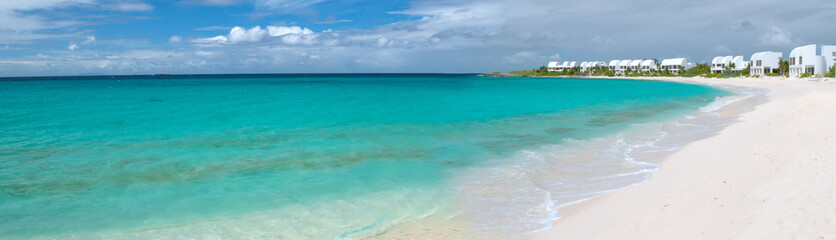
[
  {"x": 764, "y": 55},
  {"x": 673, "y": 62},
  {"x": 798, "y": 51},
  {"x": 635, "y": 63},
  {"x": 614, "y": 63},
  {"x": 553, "y": 64},
  {"x": 597, "y": 64},
  {"x": 648, "y": 62}
]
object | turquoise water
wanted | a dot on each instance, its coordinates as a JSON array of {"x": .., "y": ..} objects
[{"x": 326, "y": 156}]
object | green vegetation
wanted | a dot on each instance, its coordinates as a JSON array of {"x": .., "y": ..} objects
[
  {"x": 831, "y": 72},
  {"x": 702, "y": 69},
  {"x": 805, "y": 75},
  {"x": 783, "y": 67}
]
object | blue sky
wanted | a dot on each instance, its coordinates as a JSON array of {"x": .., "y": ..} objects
[{"x": 78, "y": 37}]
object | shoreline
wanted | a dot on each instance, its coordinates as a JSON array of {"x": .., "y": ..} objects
[
  {"x": 700, "y": 192},
  {"x": 644, "y": 144}
]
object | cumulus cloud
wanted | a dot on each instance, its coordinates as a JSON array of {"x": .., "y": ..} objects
[
  {"x": 72, "y": 47},
  {"x": 238, "y": 34},
  {"x": 288, "y": 35},
  {"x": 453, "y": 36},
  {"x": 776, "y": 36},
  {"x": 175, "y": 39}
]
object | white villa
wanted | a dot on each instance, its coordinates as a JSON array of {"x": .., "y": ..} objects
[
  {"x": 675, "y": 65},
  {"x": 613, "y": 65},
  {"x": 764, "y": 62},
  {"x": 572, "y": 64},
  {"x": 597, "y": 64},
  {"x": 553, "y": 66},
  {"x": 635, "y": 64},
  {"x": 739, "y": 63},
  {"x": 719, "y": 63},
  {"x": 804, "y": 59},
  {"x": 584, "y": 66},
  {"x": 622, "y": 66},
  {"x": 648, "y": 65}
]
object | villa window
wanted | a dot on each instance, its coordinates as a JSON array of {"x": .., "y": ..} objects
[
  {"x": 800, "y": 61},
  {"x": 810, "y": 70}
]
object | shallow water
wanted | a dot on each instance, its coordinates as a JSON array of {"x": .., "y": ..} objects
[{"x": 312, "y": 156}]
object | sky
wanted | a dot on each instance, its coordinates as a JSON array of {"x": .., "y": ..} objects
[{"x": 108, "y": 37}]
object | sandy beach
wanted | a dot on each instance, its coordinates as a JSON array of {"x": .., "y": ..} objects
[{"x": 768, "y": 176}]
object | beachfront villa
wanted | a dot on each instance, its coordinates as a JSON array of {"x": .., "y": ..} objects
[
  {"x": 635, "y": 65},
  {"x": 584, "y": 66},
  {"x": 553, "y": 66},
  {"x": 765, "y": 63},
  {"x": 595, "y": 64},
  {"x": 675, "y": 65},
  {"x": 563, "y": 66},
  {"x": 739, "y": 64},
  {"x": 648, "y": 65},
  {"x": 613, "y": 65},
  {"x": 805, "y": 59},
  {"x": 622, "y": 66},
  {"x": 718, "y": 65}
]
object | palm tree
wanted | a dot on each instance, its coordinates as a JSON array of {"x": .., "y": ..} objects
[{"x": 783, "y": 66}]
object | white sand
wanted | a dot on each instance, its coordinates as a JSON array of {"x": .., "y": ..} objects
[{"x": 770, "y": 176}]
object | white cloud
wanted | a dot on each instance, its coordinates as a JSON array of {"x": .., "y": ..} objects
[
  {"x": 89, "y": 40},
  {"x": 288, "y": 35},
  {"x": 279, "y": 31},
  {"x": 238, "y": 34},
  {"x": 555, "y": 57},
  {"x": 129, "y": 7},
  {"x": 72, "y": 47},
  {"x": 211, "y": 40},
  {"x": 521, "y": 57},
  {"x": 13, "y": 18},
  {"x": 175, "y": 39},
  {"x": 776, "y": 36}
]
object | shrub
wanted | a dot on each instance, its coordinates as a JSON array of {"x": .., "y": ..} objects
[
  {"x": 806, "y": 75},
  {"x": 832, "y": 72}
]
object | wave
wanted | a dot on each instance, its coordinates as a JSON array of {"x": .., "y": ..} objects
[{"x": 524, "y": 194}]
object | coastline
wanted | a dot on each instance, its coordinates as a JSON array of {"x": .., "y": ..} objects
[{"x": 764, "y": 176}]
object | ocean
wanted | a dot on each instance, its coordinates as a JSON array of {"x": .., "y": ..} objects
[{"x": 328, "y": 156}]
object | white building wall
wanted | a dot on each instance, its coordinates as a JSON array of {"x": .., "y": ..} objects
[
  {"x": 613, "y": 65},
  {"x": 648, "y": 65},
  {"x": 829, "y": 54},
  {"x": 804, "y": 60},
  {"x": 769, "y": 62},
  {"x": 739, "y": 63},
  {"x": 552, "y": 67},
  {"x": 676, "y": 65},
  {"x": 622, "y": 66}
]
